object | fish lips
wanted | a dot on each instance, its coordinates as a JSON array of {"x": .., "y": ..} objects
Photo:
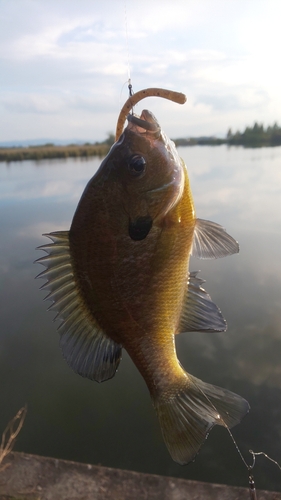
[{"x": 146, "y": 123}]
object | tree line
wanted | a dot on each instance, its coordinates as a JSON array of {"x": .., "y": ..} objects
[{"x": 255, "y": 136}]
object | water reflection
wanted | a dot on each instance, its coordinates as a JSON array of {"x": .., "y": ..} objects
[{"x": 114, "y": 423}]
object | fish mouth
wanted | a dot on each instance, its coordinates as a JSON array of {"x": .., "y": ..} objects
[{"x": 146, "y": 121}]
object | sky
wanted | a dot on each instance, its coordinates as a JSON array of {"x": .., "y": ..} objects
[{"x": 65, "y": 64}]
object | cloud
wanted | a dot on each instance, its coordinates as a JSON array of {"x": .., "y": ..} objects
[
  {"x": 40, "y": 228},
  {"x": 32, "y": 103},
  {"x": 217, "y": 175},
  {"x": 219, "y": 102},
  {"x": 65, "y": 183},
  {"x": 245, "y": 98},
  {"x": 73, "y": 56},
  {"x": 53, "y": 103}
]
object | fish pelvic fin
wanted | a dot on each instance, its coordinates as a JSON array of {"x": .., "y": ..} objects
[
  {"x": 199, "y": 312},
  {"x": 187, "y": 414},
  {"x": 85, "y": 347}
]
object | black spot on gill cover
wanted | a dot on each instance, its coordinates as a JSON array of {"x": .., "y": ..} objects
[{"x": 139, "y": 228}]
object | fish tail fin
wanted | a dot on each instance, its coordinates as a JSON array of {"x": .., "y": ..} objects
[{"x": 188, "y": 412}]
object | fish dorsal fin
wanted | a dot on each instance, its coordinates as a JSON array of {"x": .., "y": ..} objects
[
  {"x": 199, "y": 312},
  {"x": 86, "y": 348},
  {"x": 211, "y": 241}
]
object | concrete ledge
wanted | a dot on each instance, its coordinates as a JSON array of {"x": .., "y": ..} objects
[{"x": 24, "y": 476}]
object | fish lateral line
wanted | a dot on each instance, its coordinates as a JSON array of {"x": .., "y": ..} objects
[{"x": 171, "y": 95}]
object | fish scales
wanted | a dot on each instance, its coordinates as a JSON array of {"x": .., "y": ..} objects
[{"x": 129, "y": 247}]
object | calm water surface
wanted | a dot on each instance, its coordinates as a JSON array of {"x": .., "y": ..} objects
[{"x": 113, "y": 424}]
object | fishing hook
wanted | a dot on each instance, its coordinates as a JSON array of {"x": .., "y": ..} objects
[
  {"x": 253, "y": 493},
  {"x": 252, "y": 486},
  {"x": 130, "y": 87}
]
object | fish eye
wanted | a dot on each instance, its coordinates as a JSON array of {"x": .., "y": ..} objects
[{"x": 136, "y": 165}]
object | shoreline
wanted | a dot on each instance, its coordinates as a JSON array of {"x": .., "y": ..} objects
[
  {"x": 52, "y": 152},
  {"x": 87, "y": 151}
]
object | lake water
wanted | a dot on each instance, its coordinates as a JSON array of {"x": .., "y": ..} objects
[{"x": 114, "y": 424}]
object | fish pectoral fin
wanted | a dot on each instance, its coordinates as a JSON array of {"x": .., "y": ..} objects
[
  {"x": 85, "y": 347},
  {"x": 188, "y": 413},
  {"x": 199, "y": 312},
  {"x": 211, "y": 241}
]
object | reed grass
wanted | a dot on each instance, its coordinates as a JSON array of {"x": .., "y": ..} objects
[
  {"x": 50, "y": 152},
  {"x": 10, "y": 434}
]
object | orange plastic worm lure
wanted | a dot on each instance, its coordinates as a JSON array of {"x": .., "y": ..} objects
[{"x": 139, "y": 96}]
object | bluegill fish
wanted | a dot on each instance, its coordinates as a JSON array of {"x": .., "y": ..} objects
[{"x": 120, "y": 278}]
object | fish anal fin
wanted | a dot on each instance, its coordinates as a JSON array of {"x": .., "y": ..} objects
[
  {"x": 211, "y": 241},
  {"x": 199, "y": 312},
  {"x": 187, "y": 414},
  {"x": 85, "y": 347}
]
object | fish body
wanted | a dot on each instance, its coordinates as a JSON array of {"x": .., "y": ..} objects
[
  {"x": 135, "y": 288},
  {"x": 119, "y": 278}
]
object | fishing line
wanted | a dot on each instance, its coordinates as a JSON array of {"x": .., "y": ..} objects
[
  {"x": 128, "y": 82},
  {"x": 130, "y": 87},
  {"x": 127, "y": 45},
  {"x": 252, "y": 487},
  {"x": 255, "y": 453}
]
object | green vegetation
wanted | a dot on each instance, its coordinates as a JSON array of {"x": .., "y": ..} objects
[
  {"x": 50, "y": 151},
  {"x": 199, "y": 141},
  {"x": 256, "y": 136}
]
